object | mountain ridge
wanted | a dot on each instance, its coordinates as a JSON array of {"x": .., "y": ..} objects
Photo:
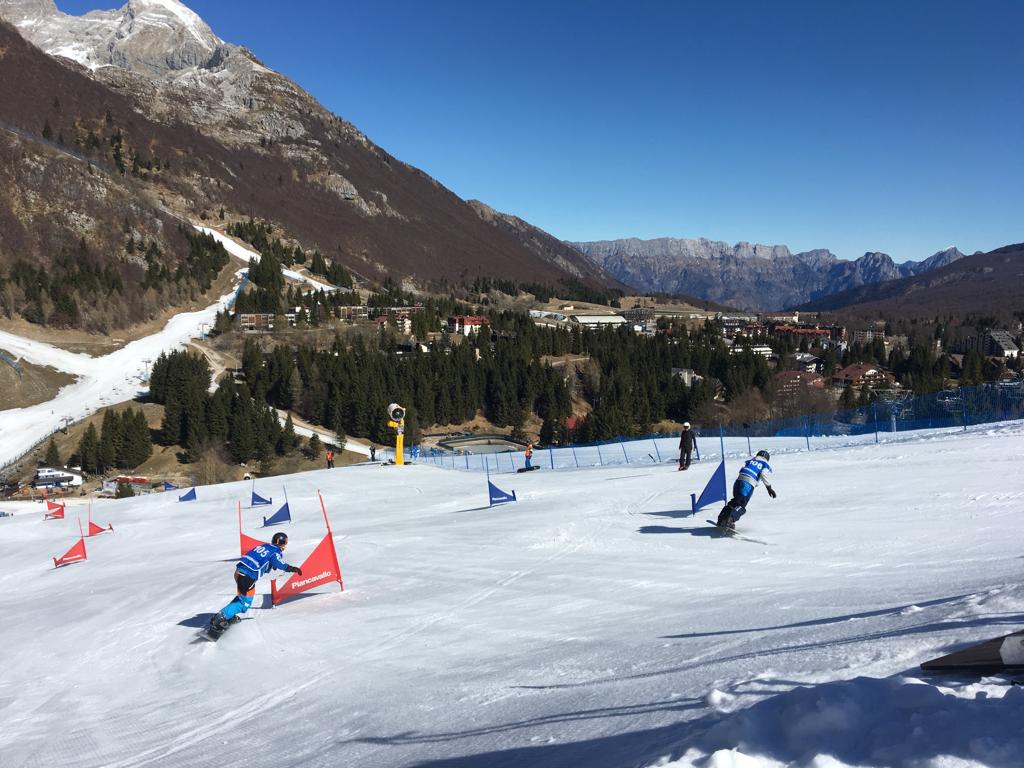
[
  {"x": 200, "y": 133},
  {"x": 747, "y": 275},
  {"x": 979, "y": 284}
]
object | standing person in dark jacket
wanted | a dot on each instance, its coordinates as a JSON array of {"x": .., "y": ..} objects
[
  {"x": 687, "y": 442},
  {"x": 254, "y": 563}
]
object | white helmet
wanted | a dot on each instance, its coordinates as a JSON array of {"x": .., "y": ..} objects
[{"x": 686, "y": 425}]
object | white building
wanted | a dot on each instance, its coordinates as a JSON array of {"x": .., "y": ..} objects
[{"x": 598, "y": 321}]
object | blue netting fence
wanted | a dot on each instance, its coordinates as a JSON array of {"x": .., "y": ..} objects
[{"x": 892, "y": 416}]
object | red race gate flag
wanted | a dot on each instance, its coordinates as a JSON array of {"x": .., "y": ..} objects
[
  {"x": 94, "y": 528},
  {"x": 320, "y": 568},
  {"x": 54, "y": 511},
  {"x": 75, "y": 554},
  {"x": 245, "y": 543}
]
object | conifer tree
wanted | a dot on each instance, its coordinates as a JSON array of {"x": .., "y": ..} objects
[
  {"x": 88, "y": 448},
  {"x": 52, "y": 457},
  {"x": 314, "y": 447},
  {"x": 288, "y": 439}
]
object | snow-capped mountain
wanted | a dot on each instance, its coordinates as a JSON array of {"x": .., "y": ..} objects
[
  {"x": 157, "y": 37},
  {"x": 746, "y": 275},
  {"x": 145, "y": 105}
]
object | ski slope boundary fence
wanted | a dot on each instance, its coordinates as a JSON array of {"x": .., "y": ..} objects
[{"x": 892, "y": 416}]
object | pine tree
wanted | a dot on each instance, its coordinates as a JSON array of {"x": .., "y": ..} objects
[
  {"x": 314, "y": 447},
  {"x": 52, "y": 457},
  {"x": 110, "y": 441},
  {"x": 243, "y": 435},
  {"x": 288, "y": 439},
  {"x": 88, "y": 448}
]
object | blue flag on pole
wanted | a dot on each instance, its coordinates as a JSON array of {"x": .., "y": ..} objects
[
  {"x": 714, "y": 491},
  {"x": 169, "y": 486},
  {"x": 497, "y": 495},
  {"x": 283, "y": 515},
  {"x": 190, "y": 496},
  {"x": 259, "y": 501}
]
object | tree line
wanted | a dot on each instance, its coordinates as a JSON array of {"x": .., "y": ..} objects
[{"x": 123, "y": 442}]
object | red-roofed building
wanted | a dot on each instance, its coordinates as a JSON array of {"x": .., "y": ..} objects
[
  {"x": 863, "y": 375},
  {"x": 467, "y": 324}
]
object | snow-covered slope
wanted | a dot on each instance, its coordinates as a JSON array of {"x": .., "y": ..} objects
[
  {"x": 102, "y": 381},
  {"x": 591, "y": 623}
]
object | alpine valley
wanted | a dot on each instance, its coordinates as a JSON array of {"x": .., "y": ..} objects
[{"x": 120, "y": 128}]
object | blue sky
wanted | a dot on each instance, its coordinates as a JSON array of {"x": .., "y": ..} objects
[{"x": 891, "y": 126}]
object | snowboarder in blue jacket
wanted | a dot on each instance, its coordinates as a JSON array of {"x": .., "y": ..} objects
[
  {"x": 754, "y": 471},
  {"x": 254, "y": 563}
]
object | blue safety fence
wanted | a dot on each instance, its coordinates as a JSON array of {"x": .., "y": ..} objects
[{"x": 893, "y": 415}]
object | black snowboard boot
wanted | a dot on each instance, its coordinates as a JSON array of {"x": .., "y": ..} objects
[
  {"x": 218, "y": 624},
  {"x": 725, "y": 518}
]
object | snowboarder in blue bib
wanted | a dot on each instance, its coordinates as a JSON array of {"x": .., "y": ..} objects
[
  {"x": 254, "y": 563},
  {"x": 754, "y": 471}
]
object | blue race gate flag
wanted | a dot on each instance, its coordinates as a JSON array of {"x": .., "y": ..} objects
[
  {"x": 714, "y": 491},
  {"x": 259, "y": 501},
  {"x": 190, "y": 496},
  {"x": 169, "y": 486},
  {"x": 283, "y": 515},
  {"x": 497, "y": 495}
]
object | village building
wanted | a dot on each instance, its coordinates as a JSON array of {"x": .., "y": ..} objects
[
  {"x": 792, "y": 383},
  {"x": 993, "y": 343},
  {"x": 466, "y": 325},
  {"x": 598, "y": 320},
  {"x": 858, "y": 375},
  {"x": 805, "y": 361}
]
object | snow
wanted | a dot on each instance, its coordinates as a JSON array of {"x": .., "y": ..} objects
[
  {"x": 591, "y": 623},
  {"x": 102, "y": 381},
  {"x": 113, "y": 378},
  {"x": 245, "y": 253}
]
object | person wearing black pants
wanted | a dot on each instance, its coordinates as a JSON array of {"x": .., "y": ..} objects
[{"x": 687, "y": 442}]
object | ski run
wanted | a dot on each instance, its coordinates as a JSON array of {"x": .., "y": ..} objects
[{"x": 594, "y": 622}]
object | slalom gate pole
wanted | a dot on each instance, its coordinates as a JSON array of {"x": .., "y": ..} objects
[{"x": 323, "y": 508}]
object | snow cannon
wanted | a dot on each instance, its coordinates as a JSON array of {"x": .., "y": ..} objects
[{"x": 396, "y": 420}]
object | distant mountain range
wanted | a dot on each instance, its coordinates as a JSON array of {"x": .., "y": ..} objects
[
  {"x": 747, "y": 276},
  {"x": 984, "y": 284},
  {"x": 118, "y": 128}
]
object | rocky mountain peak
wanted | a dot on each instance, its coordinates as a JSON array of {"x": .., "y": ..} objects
[{"x": 155, "y": 38}]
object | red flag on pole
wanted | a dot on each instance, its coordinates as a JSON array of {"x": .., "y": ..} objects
[
  {"x": 75, "y": 554},
  {"x": 54, "y": 511},
  {"x": 94, "y": 528},
  {"x": 320, "y": 568},
  {"x": 245, "y": 543}
]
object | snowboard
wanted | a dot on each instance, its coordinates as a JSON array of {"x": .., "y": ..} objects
[
  {"x": 211, "y": 635},
  {"x": 731, "y": 534},
  {"x": 526, "y": 469}
]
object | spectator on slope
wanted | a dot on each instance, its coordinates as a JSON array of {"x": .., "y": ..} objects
[
  {"x": 754, "y": 471},
  {"x": 254, "y": 563},
  {"x": 529, "y": 455},
  {"x": 330, "y": 458},
  {"x": 687, "y": 442}
]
